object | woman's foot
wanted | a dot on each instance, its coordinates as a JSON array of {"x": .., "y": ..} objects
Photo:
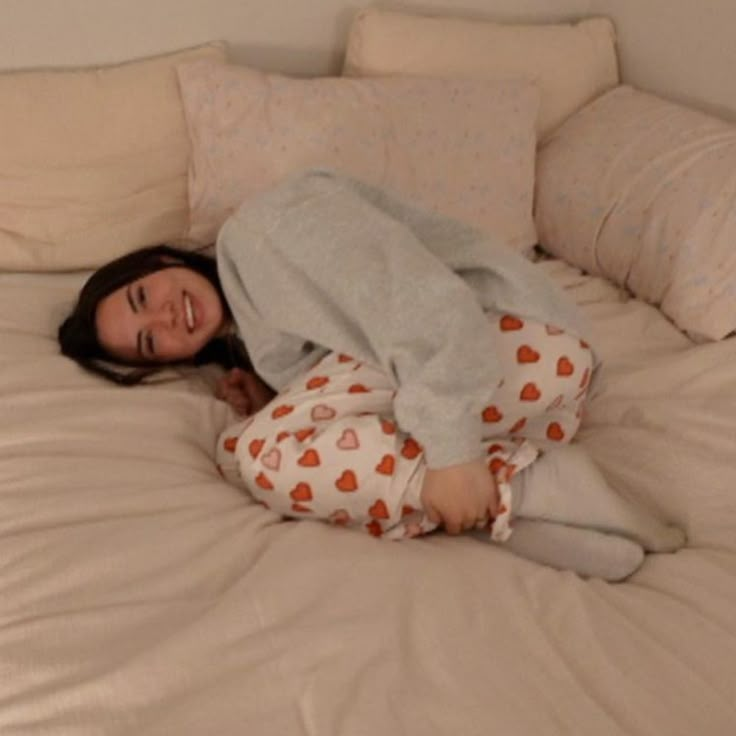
[{"x": 565, "y": 486}]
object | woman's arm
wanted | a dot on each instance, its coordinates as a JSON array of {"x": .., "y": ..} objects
[
  {"x": 323, "y": 263},
  {"x": 244, "y": 391}
]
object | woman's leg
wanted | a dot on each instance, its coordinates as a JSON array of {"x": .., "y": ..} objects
[
  {"x": 327, "y": 448},
  {"x": 547, "y": 376}
]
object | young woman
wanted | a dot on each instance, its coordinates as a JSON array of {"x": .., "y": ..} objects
[{"x": 476, "y": 344}]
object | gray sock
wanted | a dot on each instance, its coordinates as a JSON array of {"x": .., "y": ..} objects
[
  {"x": 587, "y": 552},
  {"x": 565, "y": 486}
]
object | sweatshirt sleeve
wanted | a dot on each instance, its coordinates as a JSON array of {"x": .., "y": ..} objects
[{"x": 334, "y": 268}]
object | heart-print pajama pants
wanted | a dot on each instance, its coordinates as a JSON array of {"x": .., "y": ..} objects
[{"x": 328, "y": 446}]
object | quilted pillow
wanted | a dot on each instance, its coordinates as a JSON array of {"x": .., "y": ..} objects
[
  {"x": 464, "y": 148},
  {"x": 643, "y": 191},
  {"x": 93, "y": 161}
]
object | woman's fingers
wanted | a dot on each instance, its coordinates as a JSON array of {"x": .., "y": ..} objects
[
  {"x": 460, "y": 520},
  {"x": 451, "y": 523},
  {"x": 234, "y": 377},
  {"x": 225, "y": 382},
  {"x": 460, "y": 496},
  {"x": 453, "y": 527},
  {"x": 454, "y": 522},
  {"x": 232, "y": 388},
  {"x": 495, "y": 500},
  {"x": 433, "y": 515},
  {"x": 220, "y": 388}
]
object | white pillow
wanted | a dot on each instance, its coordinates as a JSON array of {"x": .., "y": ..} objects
[
  {"x": 643, "y": 191},
  {"x": 464, "y": 148},
  {"x": 93, "y": 161},
  {"x": 571, "y": 63}
]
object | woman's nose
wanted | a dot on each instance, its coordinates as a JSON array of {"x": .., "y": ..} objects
[{"x": 167, "y": 315}]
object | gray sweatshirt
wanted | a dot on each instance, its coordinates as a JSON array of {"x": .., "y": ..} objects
[{"x": 324, "y": 263}]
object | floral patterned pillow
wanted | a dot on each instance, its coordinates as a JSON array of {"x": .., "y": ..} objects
[
  {"x": 464, "y": 148},
  {"x": 643, "y": 191}
]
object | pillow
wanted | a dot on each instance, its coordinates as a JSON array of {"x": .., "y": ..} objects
[
  {"x": 463, "y": 148},
  {"x": 571, "y": 63},
  {"x": 643, "y": 192},
  {"x": 94, "y": 162}
]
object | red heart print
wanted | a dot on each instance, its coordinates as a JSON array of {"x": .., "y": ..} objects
[
  {"x": 496, "y": 465},
  {"x": 309, "y": 459},
  {"x": 555, "y": 432},
  {"x": 302, "y": 434},
  {"x": 300, "y": 509},
  {"x": 317, "y": 382},
  {"x": 342, "y": 358},
  {"x": 281, "y": 411},
  {"x": 530, "y": 392},
  {"x": 301, "y": 492},
  {"x": 407, "y": 510},
  {"x": 230, "y": 444},
  {"x": 263, "y": 482},
  {"x": 565, "y": 366},
  {"x": 386, "y": 466},
  {"x": 411, "y": 448},
  {"x": 387, "y": 426},
  {"x": 347, "y": 482},
  {"x": 527, "y": 354},
  {"x": 282, "y": 435},
  {"x": 374, "y": 527},
  {"x": 509, "y": 323},
  {"x": 254, "y": 447},
  {"x": 358, "y": 388},
  {"x": 322, "y": 412},
  {"x": 348, "y": 440},
  {"x": 272, "y": 459},
  {"x": 379, "y": 510},
  {"x": 492, "y": 414}
]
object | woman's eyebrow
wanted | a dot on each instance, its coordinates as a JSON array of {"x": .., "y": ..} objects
[
  {"x": 139, "y": 336},
  {"x": 129, "y": 295}
]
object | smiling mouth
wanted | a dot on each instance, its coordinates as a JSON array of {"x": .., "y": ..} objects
[{"x": 188, "y": 313}]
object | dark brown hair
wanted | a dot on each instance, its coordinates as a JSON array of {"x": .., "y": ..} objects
[{"x": 78, "y": 333}]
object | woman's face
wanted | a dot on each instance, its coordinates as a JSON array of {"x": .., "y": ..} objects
[{"x": 166, "y": 316}]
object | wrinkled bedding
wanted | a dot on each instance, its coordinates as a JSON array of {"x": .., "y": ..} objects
[{"x": 142, "y": 594}]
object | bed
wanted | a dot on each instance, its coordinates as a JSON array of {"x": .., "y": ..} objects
[{"x": 141, "y": 594}]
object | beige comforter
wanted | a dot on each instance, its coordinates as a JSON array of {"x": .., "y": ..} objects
[{"x": 140, "y": 594}]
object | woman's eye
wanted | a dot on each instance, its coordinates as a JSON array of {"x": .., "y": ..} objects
[
  {"x": 150, "y": 344},
  {"x": 141, "y": 293}
]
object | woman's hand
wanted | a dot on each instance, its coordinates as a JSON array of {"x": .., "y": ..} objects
[
  {"x": 461, "y": 496},
  {"x": 244, "y": 391}
]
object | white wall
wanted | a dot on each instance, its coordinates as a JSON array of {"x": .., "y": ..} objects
[
  {"x": 682, "y": 49},
  {"x": 296, "y": 36}
]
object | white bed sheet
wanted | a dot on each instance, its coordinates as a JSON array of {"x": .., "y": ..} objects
[{"x": 140, "y": 594}]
